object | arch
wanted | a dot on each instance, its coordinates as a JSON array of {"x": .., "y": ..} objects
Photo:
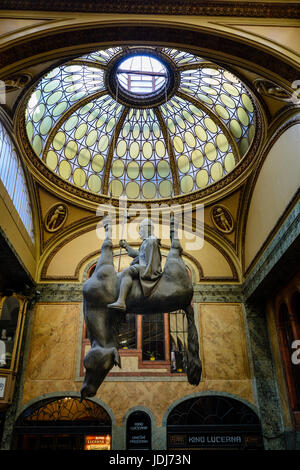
[
  {"x": 205, "y": 394},
  {"x": 213, "y": 421},
  {"x": 62, "y": 421}
]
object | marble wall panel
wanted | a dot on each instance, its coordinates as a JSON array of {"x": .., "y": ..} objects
[
  {"x": 53, "y": 348},
  {"x": 223, "y": 343}
]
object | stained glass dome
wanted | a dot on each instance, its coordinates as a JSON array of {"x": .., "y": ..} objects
[{"x": 141, "y": 122}]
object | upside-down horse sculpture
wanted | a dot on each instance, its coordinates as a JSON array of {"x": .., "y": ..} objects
[{"x": 142, "y": 288}]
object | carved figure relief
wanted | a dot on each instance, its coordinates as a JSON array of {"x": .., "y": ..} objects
[
  {"x": 273, "y": 90},
  {"x": 222, "y": 219},
  {"x": 55, "y": 218}
]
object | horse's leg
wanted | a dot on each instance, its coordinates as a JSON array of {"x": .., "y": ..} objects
[
  {"x": 194, "y": 367},
  {"x": 102, "y": 327}
]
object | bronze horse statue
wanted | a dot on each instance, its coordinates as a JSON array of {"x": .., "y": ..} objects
[{"x": 174, "y": 291}]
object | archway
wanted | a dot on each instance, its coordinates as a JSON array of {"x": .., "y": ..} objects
[
  {"x": 213, "y": 422},
  {"x": 63, "y": 423}
]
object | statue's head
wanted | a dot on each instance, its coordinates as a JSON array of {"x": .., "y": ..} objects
[{"x": 146, "y": 228}]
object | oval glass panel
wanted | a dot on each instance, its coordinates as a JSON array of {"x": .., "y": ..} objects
[
  {"x": 59, "y": 140},
  {"x": 171, "y": 126},
  {"x": 80, "y": 131},
  {"x": 59, "y": 108},
  {"x": 188, "y": 116},
  {"x": 136, "y": 131},
  {"x": 121, "y": 148},
  {"x": 146, "y": 131},
  {"x": 71, "y": 149},
  {"x": 243, "y": 116},
  {"x": 211, "y": 126},
  {"x": 235, "y": 128},
  {"x": 222, "y": 142},
  {"x": 29, "y": 130},
  {"x": 102, "y": 120},
  {"x": 65, "y": 169},
  {"x": 52, "y": 85},
  {"x": 202, "y": 179},
  {"x": 54, "y": 98},
  {"x": 45, "y": 125},
  {"x": 205, "y": 98},
  {"x": 84, "y": 157},
  {"x": 156, "y": 130},
  {"x": 197, "y": 158},
  {"x": 98, "y": 163},
  {"x": 247, "y": 103},
  {"x": 117, "y": 168},
  {"x": 79, "y": 177},
  {"x": 190, "y": 139},
  {"x": 180, "y": 121},
  {"x": 222, "y": 112},
  {"x": 216, "y": 171},
  {"x": 178, "y": 144},
  {"x": 110, "y": 125},
  {"x": 187, "y": 184},
  {"x": 232, "y": 90},
  {"x": 116, "y": 188},
  {"x": 94, "y": 183},
  {"x": 134, "y": 150},
  {"x": 160, "y": 148},
  {"x": 71, "y": 123},
  {"x": 229, "y": 162},
  {"x": 126, "y": 129},
  {"x": 165, "y": 188},
  {"x": 201, "y": 133},
  {"x": 163, "y": 168},
  {"x": 91, "y": 138},
  {"x": 210, "y": 71},
  {"x": 132, "y": 190},
  {"x": 39, "y": 112},
  {"x": 227, "y": 101},
  {"x": 149, "y": 190},
  {"x": 51, "y": 160},
  {"x": 183, "y": 163},
  {"x": 195, "y": 110},
  {"x": 147, "y": 150},
  {"x": 37, "y": 144},
  {"x": 103, "y": 143},
  {"x": 133, "y": 170},
  {"x": 148, "y": 170},
  {"x": 210, "y": 151}
]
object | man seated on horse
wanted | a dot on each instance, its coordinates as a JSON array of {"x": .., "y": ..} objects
[{"x": 146, "y": 265}]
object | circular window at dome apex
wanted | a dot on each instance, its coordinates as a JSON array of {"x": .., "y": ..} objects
[
  {"x": 92, "y": 122},
  {"x": 141, "y": 74}
]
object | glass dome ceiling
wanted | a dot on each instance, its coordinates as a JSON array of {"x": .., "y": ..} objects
[{"x": 146, "y": 123}]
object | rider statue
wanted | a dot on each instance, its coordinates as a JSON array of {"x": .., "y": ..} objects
[{"x": 146, "y": 265}]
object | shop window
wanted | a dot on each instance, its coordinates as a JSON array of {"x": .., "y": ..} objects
[
  {"x": 63, "y": 423},
  {"x": 213, "y": 422}
]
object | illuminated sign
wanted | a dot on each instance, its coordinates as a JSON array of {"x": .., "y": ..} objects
[{"x": 97, "y": 442}]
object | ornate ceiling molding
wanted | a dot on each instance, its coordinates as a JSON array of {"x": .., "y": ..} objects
[{"x": 219, "y": 8}]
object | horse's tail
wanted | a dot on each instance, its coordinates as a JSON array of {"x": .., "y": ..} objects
[{"x": 194, "y": 367}]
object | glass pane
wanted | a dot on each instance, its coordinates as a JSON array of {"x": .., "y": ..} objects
[
  {"x": 127, "y": 332},
  {"x": 8, "y": 326},
  {"x": 153, "y": 337}
]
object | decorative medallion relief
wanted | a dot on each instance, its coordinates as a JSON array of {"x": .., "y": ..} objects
[
  {"x": 277, "y": 92},
  {"x": 222, "y": 219},
  {"x": 55, "y": 217}
]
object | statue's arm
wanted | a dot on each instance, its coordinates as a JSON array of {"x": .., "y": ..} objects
[{"x": 131, "y": 251}]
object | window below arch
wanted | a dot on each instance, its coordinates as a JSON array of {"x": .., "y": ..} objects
[{"x": 13, "y": 178}]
